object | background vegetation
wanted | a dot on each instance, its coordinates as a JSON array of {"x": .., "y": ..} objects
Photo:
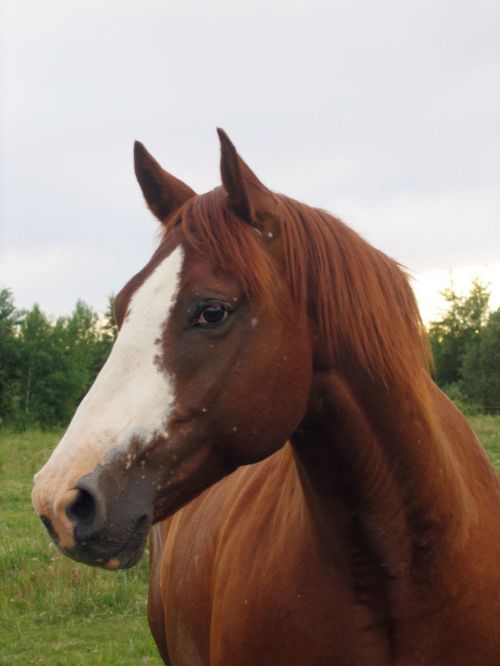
[
  {"x": 466, "y": 348},
  {"x": 47, "y": 366},
  {"x": 56, "y": 612}
]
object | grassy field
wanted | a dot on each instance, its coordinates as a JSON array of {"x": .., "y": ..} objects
[
  {"x": 487, "y": 428},
  {"x": 56, "y": 612}
]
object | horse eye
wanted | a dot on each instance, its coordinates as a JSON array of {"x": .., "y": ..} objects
[{"x": 212, "y": 314}]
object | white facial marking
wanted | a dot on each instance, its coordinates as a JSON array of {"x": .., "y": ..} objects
[{"x": 131, "y": 396}]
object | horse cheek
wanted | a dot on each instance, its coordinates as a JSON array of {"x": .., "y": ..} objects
[{"x": 274, "y": 407}]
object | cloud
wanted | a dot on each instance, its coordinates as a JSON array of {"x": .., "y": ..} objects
[{"x": 385, "y": 113}]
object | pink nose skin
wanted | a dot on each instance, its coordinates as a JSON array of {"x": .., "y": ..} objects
[{"x": 53, "y": 512}]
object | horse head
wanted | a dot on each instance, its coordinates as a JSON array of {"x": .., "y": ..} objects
[{"x": 211, "y": 369}]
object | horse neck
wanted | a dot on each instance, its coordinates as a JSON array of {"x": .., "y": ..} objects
[{"x": 380, "y": 476}]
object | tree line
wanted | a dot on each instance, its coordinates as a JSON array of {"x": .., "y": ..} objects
[
  {"x": 47, "y": 365},
  {"x": 466, "y": 347}
]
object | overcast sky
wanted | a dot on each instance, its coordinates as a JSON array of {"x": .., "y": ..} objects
[{"x": 386, "y": 113}]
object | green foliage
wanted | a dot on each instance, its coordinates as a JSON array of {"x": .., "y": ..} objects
[
  {"x": 481, "y": 366},
  {"x": 46, "y": 367},
  {"x": 9, "y": 356},
  {"x": 451, "y": 336},
  {"x": 466, "y": 348}
]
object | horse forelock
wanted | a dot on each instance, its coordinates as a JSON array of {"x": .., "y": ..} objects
[
  {"x": 359, "y": 298},
  {"x": 212, "y": 229}
]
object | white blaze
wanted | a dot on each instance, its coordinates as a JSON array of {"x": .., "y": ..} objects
[{"x": 130, "y": 396}]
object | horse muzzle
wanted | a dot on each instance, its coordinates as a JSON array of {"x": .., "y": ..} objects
[{"x": 99, "y": 523}]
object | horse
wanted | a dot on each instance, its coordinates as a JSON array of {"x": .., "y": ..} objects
[{"x": 267, "y": 414}]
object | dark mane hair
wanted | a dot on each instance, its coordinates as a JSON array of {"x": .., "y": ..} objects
[{"x": 359, "y": 298}]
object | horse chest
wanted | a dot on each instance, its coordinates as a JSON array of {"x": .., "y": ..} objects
[
  {"x": 258, "y": 591},
  {"x": 278, "y": 620}
]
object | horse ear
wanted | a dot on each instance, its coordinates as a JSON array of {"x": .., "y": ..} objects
[
  {"x": 163, "y": 192},
  {"x": 247, "y": 195}
]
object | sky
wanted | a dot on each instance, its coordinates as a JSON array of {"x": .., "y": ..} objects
[{"x": 386, "y": 113}]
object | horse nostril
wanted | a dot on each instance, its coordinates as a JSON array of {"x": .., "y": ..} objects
[
  {"x": 83, "y": 509},
  {"x": 50, "y": 529},
  {"x": 142, "y": 524}
]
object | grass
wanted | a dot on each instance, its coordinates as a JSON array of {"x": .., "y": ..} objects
[
  {"x": 52, "y": 610},
  {"x": 56, "y": 612},
  {"x": 487, "y": 428}
]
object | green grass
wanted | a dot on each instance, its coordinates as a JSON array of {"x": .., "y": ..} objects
[
  {"x": 487, "y": 428},
  {"x": 56, "y": 612},
  {"x": 52, "y": 610}
]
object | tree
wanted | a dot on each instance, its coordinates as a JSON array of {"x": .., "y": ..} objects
[
  {"x": 37, "y": 397},
  {"x": 108, "y": 330},
  {"x": 78, "y": 357},
  {"x": 9, "y": 357},
  {"x": 457, "y": 331},
  {"x": 481, "y": 366},
  {"x": 46, "y": 366}
]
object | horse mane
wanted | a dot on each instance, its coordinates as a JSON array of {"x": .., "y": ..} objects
[{"x": 359, "y": 298}]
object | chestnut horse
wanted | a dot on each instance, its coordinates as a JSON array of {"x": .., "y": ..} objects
[{"x": 315, "y": 498}]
